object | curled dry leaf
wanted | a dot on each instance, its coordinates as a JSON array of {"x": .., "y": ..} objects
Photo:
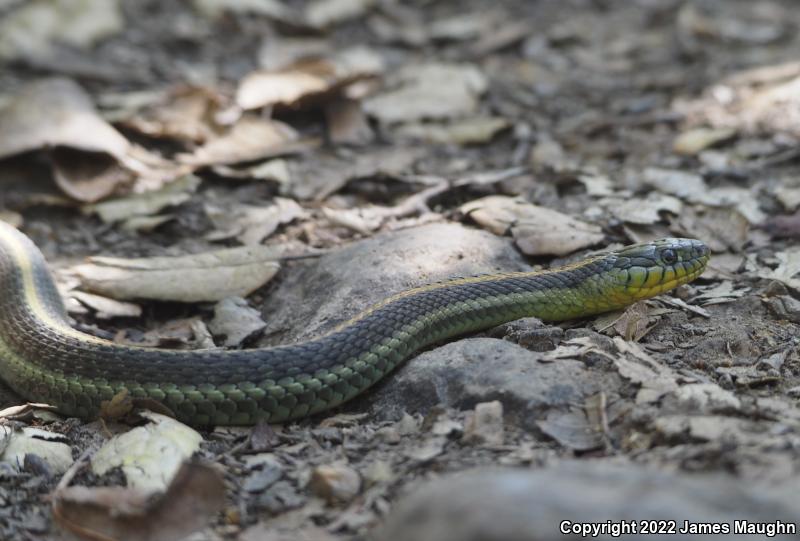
[
  {"x": 307, "y": 79},
  {"x": 428, "y": 91},
  {"x": 209, "y": 276},
  {"x": 185, "y": 114},
  {"x": 56, "y": 112},
  {"x": 149, "y": 455},
  {"x": 536, "y": 230},
  {"x": 251, "y": 138},
  {"x": 106, "y": 308},
  {"x": 194, "y": 496}
]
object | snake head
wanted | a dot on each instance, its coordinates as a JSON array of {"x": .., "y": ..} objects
[{"x": 651, "y": 268}]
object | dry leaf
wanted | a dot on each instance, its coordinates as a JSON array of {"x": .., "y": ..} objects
[
  {"x": 251, "y": 138},
  {"x": 194, "y": 497},
  {"x": 58, "y": 113},
  {"x": 106, "y": 308},
  {"x": 789, "y": 197},
  {"x": 347, "y": 124},
  {"x": 428, "y": 91},
  {"x": 687, "y": 186},
  {"x": 146, "y": 204},
  {"x": 185, "y": 114},
  {"x": 33, "y": 28},
  {"x": 635, "y": 364},
  {"x": 647, "y": 210},
  {"x": 251, "y": 224},
  {"x": 536, "y": 230},
  {"x": 691, "y": 142},
  {"x": 307, "y": 79},
  {"x": 325, "y": 13},
  {"x": 209, "y": 276},
  {"x": 49, "y": 446},
  {"x": 269, "y": 8},
  {"x": 787, "y": 270},
  {"x": 473, "y": 130},
  {"x": 236, "y": 321},
  {"x": 572, "y": 430},
  {"x": 148, "y": 455},
  {"x": 274, "y": 170}
]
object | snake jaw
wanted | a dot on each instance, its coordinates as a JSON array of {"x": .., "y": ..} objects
[{"x": 654, "y": 268}]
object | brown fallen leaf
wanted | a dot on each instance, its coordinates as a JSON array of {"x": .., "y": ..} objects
[
  {"x": 209, "y": 276},
  {"x": 195, "y": 495}
]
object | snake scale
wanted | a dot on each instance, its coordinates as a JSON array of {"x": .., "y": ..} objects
[{"x": 45, "y": 360}]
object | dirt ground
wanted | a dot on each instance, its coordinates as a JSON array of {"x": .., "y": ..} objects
[{"x": 326, "y": 154}]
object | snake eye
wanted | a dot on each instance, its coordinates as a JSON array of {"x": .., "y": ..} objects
[{"x": 669, "y": 256}]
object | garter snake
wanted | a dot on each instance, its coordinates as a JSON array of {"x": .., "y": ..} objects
[{"x": 44, "y": 359}]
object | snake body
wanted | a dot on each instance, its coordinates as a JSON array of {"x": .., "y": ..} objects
[{"x": 45, "y": 360}]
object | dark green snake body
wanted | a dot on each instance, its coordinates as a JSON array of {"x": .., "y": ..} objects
[{"x": 45, "y": 360}]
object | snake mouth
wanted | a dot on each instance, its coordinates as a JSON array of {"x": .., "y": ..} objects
[{"x": 660, "y": 266}]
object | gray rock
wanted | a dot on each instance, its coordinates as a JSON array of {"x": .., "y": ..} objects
[
  {"x": 524, "y": 505},
  {"x": 317, "y": 295},
  {"x": 464, "y": 373}
]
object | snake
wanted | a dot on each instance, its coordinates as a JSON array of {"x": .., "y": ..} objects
[{"x": 45, "y": 359}]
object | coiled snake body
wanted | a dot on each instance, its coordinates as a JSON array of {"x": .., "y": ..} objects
[{"x": 44, "y": 359}]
